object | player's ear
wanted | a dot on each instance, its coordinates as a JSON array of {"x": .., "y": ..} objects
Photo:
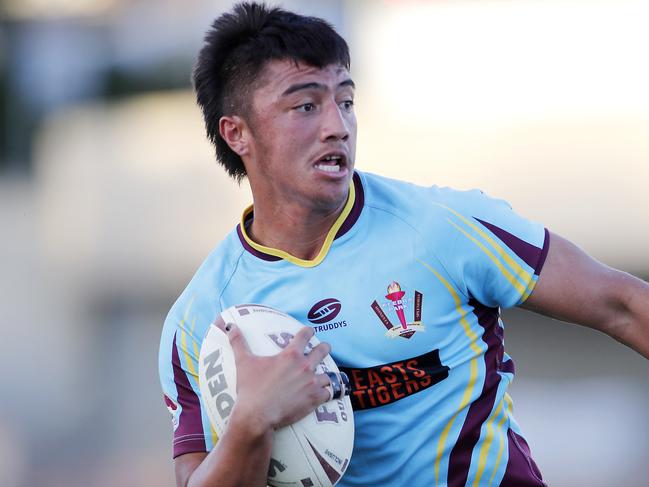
[{"x": 234, "y": 131}]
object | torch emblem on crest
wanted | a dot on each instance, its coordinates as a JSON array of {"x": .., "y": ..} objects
[{"x": 399, "y": 303}]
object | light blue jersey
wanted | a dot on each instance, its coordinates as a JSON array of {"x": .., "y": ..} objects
[{"x": 407, "y": 290}]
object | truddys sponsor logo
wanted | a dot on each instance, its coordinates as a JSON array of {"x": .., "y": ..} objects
[{"x": 324, "y": 311}]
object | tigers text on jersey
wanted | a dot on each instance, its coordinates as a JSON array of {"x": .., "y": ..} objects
[{"x": 407, "y": 290}]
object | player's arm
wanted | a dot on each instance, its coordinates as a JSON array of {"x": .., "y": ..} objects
[
  {"x": 272, "y": 392},
  {"x": 241, "y": 457},
  {"x": 575, "y": 287}
]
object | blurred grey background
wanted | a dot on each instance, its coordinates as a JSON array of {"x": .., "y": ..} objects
[{"x": 110, "y": 198}]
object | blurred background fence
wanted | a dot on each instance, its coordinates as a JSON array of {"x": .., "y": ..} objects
[{"x": 110, "y": 198}]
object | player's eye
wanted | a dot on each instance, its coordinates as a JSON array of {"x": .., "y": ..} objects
[
  {"x": 347, "y": 105},
  {"x": 305, "y": 107}
]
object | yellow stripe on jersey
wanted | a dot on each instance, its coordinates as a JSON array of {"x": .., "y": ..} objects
[
  {"x": 502, "y": 436},
  {"x": 515, "y": 281},
  {"x": 215, "y": 437},
  {"x": 466, "y": 397},
  {"x": 325, "y": 246},
  {"x": 487, "y": 442},
  {"x": 510, "y": 403},
  {"x": 189, "y": 358},
  {"x": 530, "y": 288},
  {"x": 195, "y": 340},
  {"x": 519, "y": 271}
]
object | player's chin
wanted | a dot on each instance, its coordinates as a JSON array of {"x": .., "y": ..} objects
[
  {"x": 328, "y": 200},
  {"x": 330, "y": 188}
]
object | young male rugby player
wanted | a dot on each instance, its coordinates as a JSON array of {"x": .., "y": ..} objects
[{"x": 417, "y": 275}]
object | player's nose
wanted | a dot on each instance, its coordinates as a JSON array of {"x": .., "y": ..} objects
[{"x": 334, "y": 123}]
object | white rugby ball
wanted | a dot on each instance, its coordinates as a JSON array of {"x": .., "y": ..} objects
[{"x": 312, "y": 452}]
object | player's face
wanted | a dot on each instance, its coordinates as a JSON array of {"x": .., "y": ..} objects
[{"x": 303, "y": 136}]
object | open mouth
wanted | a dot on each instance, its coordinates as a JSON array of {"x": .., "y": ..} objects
[{"x": 332, "y": 163}]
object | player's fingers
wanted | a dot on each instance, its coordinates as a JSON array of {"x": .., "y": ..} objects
[
  {"x": 237, "y": 341},
  {"x": 325, "y": 393},
  {"x": 318, "y": 353},
  {"x": 338, "y": 384},
  {"x": 219, "y": 322},
  {"x": 301, "y": 338},
  {"x": 323, "y": 380}
]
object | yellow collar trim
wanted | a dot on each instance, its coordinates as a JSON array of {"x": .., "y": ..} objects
[{"x": 325, "y": 246}]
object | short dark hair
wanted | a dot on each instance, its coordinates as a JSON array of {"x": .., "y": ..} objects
[{"x": 236, "y": 50}]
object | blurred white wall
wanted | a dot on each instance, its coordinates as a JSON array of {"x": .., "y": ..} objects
[
  {"x": 542, "y": 103},
  {"x": 134, "y": 192}
]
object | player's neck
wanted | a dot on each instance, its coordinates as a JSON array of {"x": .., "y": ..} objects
[{"x": 293, "y": 228}]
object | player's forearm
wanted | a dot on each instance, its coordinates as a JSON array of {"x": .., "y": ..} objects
[
  {"x": 631, "y": 326},
  {"x": 576, "y": 288},
  {"x": 241, "y": 457}
]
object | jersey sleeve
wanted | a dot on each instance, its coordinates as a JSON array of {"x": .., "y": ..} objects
[
  {"x": 494, "y": 254},
  {"x": 178, "y": 367}
]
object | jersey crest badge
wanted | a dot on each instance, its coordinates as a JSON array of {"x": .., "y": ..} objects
[{"x": 398, "y": 303}]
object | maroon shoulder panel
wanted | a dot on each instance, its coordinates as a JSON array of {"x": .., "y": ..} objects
[
  {"x": 188, "y": 436},
  {"x": 531, "y": 255}
]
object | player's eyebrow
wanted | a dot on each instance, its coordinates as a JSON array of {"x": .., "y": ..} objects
[
  {"x": 347, "y": 82},
  {"x": 315, "y": 86}
]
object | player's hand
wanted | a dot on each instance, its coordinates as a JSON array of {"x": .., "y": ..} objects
[{"x": 279, "y": 390}]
